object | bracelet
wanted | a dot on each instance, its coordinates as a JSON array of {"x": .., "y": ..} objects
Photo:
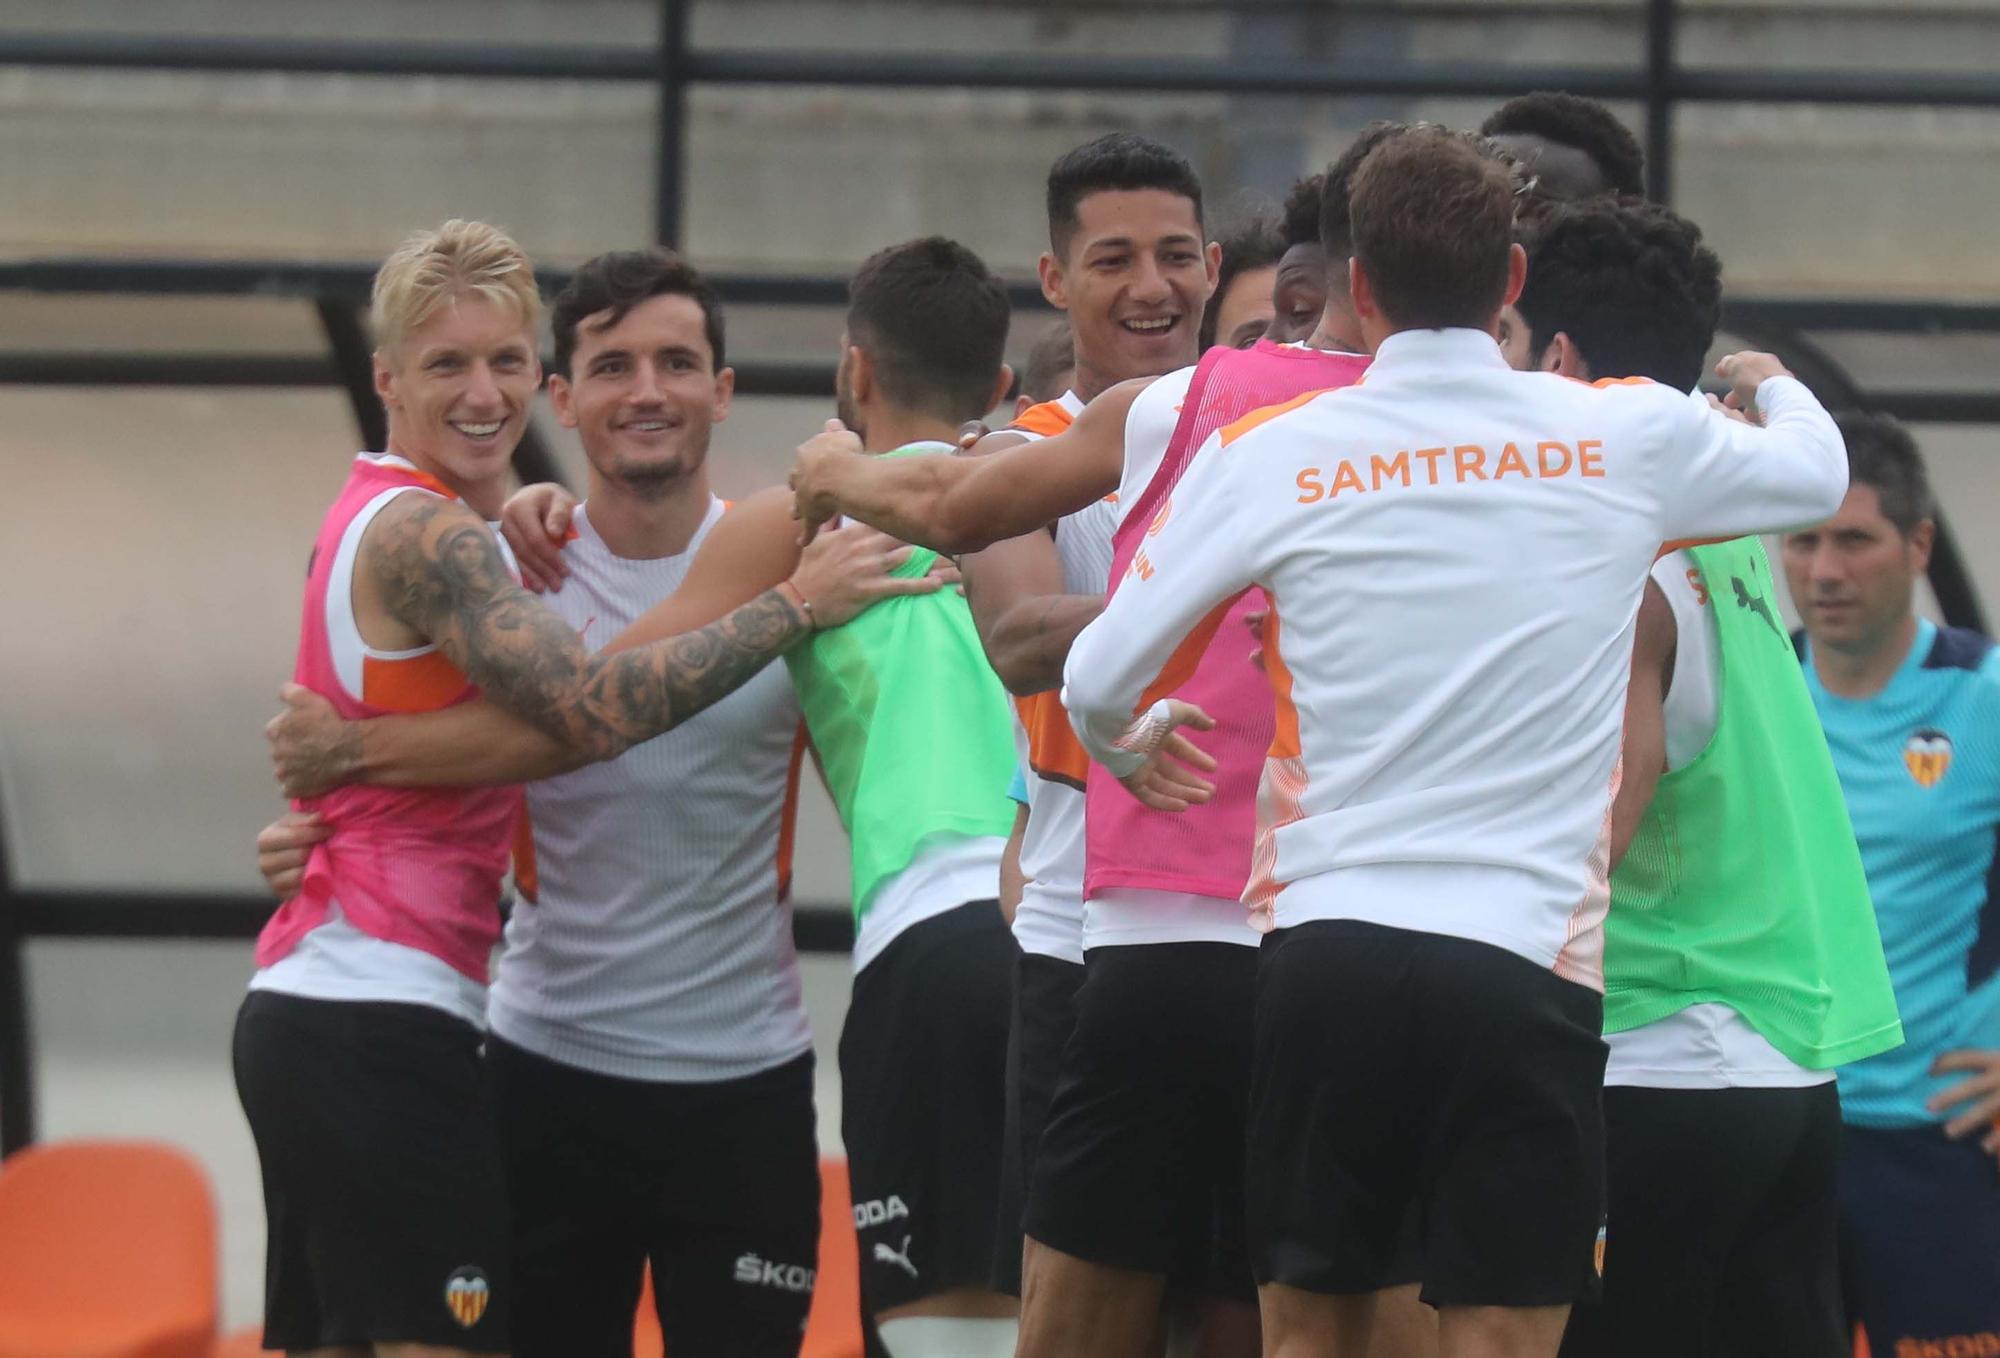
[{"x": 805, "y": 604}]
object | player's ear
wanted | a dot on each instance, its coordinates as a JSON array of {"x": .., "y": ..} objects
[
  {"x": 860, "y": 374},
  {"x": 1361, "y": 291},
  {"x": 1055, "y": 283},
  {"x": 385, "y": 381},
  {"x": 1001, "y": 386},
  {"x": 1562, "y": 356},
  {"x": 1517, "y": 272},
  {"x": 725, "y": 392},
  {"x": 562, "y": 400},
  {"x": 1922, "y": 538}
]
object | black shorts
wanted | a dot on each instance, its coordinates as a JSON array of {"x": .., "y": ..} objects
[
  {"x": 923, "y": 1072},
  {"x": 1142, "y": 1163},
  {"x": 1920, "y": 1240},
  {"x": 1044, "y": 1015},
  {"x": 383, "y": 1189},
  {"x": 715, "y": 1184},
  {"x": 1394, "y": 1066},
  {"x": 1721, "y": 1227}
]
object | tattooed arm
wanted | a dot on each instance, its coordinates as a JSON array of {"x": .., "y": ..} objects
[
  {"x": 742, "y": 565},
  {"x": 435, "y": 568}
]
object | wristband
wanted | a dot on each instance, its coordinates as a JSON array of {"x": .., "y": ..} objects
[
  {"x": 805, "y": 604},
  {"x": 1148, "y": 729}
]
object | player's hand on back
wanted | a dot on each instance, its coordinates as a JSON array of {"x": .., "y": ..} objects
[
  {"x": 1976, "y": 1098},
  {"x": 1168, "y": 780},
  {"x": 844, "y": 570},
  {"x": 813, "y": 500},
  {"x": 313, "y": 749},
  {"x": 536, "y": 520},
  {"x": 1745, "y": 372},
  {"x": 283, "y": 847}
]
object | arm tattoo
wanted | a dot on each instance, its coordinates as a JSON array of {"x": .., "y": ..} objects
[{"x": 441, "y": 573}]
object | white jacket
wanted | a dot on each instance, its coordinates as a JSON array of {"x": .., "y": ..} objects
[{"x": 1455, "y": 552}]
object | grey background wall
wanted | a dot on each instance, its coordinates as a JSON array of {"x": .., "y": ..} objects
[{"x": 153, "y": 541}]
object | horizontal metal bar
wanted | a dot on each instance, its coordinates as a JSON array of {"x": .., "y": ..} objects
[
  {"x": 963, "y": 70},
  {"x": 1935, "y": 407},
  {"x": 313, "y": 56},
  {"x": 1862, "y": 314},
  {"x": 351, "y": 281},
  {"x": 138, "y": 369},
  {"x": 50, "y": 369},
  {"x": 226, "y": 917}
]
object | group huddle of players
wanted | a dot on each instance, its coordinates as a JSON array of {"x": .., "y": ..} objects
[{"x": 1436, "y": 900}]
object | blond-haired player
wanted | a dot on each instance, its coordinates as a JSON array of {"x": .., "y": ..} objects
[{"x": 357, "y": 1049}]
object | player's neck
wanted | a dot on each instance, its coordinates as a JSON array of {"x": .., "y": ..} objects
[
  {"x": 1338, "y": 330},
  {"x": 1865, "y": 673},
  {"x": 1093, "y": 379},
  {"x": 483, "y": 498},
  {"x": 643, "y": 526},
  {"x": 885, "y": 430}
]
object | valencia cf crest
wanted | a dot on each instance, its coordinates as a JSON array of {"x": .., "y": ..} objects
[
  {"x": 466, "y": 1294},
  {"x": 1927, "y": 755}
]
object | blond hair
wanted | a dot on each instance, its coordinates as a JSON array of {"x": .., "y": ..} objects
[{"x": 457, "y": 259}]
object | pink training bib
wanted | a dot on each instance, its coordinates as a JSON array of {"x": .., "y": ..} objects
[{"x": 1205, "y": 850}]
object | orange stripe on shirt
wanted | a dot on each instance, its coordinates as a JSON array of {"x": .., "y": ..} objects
[
  {"x": 421, "y": 683},
  {"x": 1053, "y": 751},
  {"x": 1285, "y": 739},
  {"x": 1235, "y": 431},
  {"x": 1181, "y": 664},
  {"x": 1047, "y": 419}
]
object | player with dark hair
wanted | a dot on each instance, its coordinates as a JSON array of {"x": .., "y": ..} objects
[
  {"x": 1147, "y": 1142},
  {"x": 647, "y": 1044},
  {"x": 911, "y": 732},
  {"x": 1573, "y": 147},
  {"x": 1241, "y": 309},
  {"x": 1911, "y": 711},
  {"x": 1594, "y": 269},
  {"x": 1741, "y": 962},
  {"x": 1434, "y": 814},
  {"x": 1298, "y": 293}
]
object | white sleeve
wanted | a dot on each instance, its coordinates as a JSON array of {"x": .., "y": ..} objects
[
  {"x": 1197, "y": 559},
  {"x": 1692, "y": 698},
  {"x": 1724, "y": 479}
]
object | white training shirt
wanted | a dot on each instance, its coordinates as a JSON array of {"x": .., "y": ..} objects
[
  {"x": 1704, "y": 1046},
  {"x": 659, "y": 949},
  {"x": 1120, "y": 916},
  {"x": 1049, "y": 919},
  {"x": 1455, "y": 553}
]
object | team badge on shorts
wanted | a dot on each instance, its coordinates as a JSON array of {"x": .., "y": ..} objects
[
  {"x": 466, "y": 1294},
  {"x": 1927, "y": 754}
]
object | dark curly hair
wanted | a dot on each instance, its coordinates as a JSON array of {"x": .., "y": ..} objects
[
  {"x": 1881, "y": 453},
  {"x": 1629, "y": 282},
  {"x": 1582, "y": 124},
  {"x": 1116, "y": 161},
  {"x": 616, "y": 282},
  {"x": 1299, "y": 217}
]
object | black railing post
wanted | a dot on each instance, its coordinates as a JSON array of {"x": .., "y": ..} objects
[
  {"x": 354, "y": 360},
  {"x": 1662, "y": 27},
  {"x": 668, "y": 209},
  {"x": 17, "y": 1071}
]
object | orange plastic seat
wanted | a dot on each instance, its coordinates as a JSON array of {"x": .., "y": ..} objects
[
  {"x": 107, "y": 1250},
  {"x": 833, "y": 1329}
]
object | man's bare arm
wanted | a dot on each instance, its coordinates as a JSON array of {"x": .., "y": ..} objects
[
  {"x": 1645, "y": 751},
  {"x": 964, "y": 504},
  {"x": 439, "y": 571},
  {"x": 1026, "y": 622},
  {"x": 752, "y": 549}
]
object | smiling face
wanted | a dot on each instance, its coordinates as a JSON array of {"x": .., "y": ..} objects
[
  {"x": 1134, "y": 279},
  {"x": 1852, "y": 577},
  {"x": 457, "y": 390},
  {"x": 643, "y": 393}
]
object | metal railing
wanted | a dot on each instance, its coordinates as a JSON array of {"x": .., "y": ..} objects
[{"x": 1659, "y": 83}]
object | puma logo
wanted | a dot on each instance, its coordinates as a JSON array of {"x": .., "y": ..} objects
[
  {"x": 900, "y": 1258},
  {"x": 1756, "y": 603}
]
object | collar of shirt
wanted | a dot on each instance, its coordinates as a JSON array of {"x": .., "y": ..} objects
[{"x": 1430, "y": 350}]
